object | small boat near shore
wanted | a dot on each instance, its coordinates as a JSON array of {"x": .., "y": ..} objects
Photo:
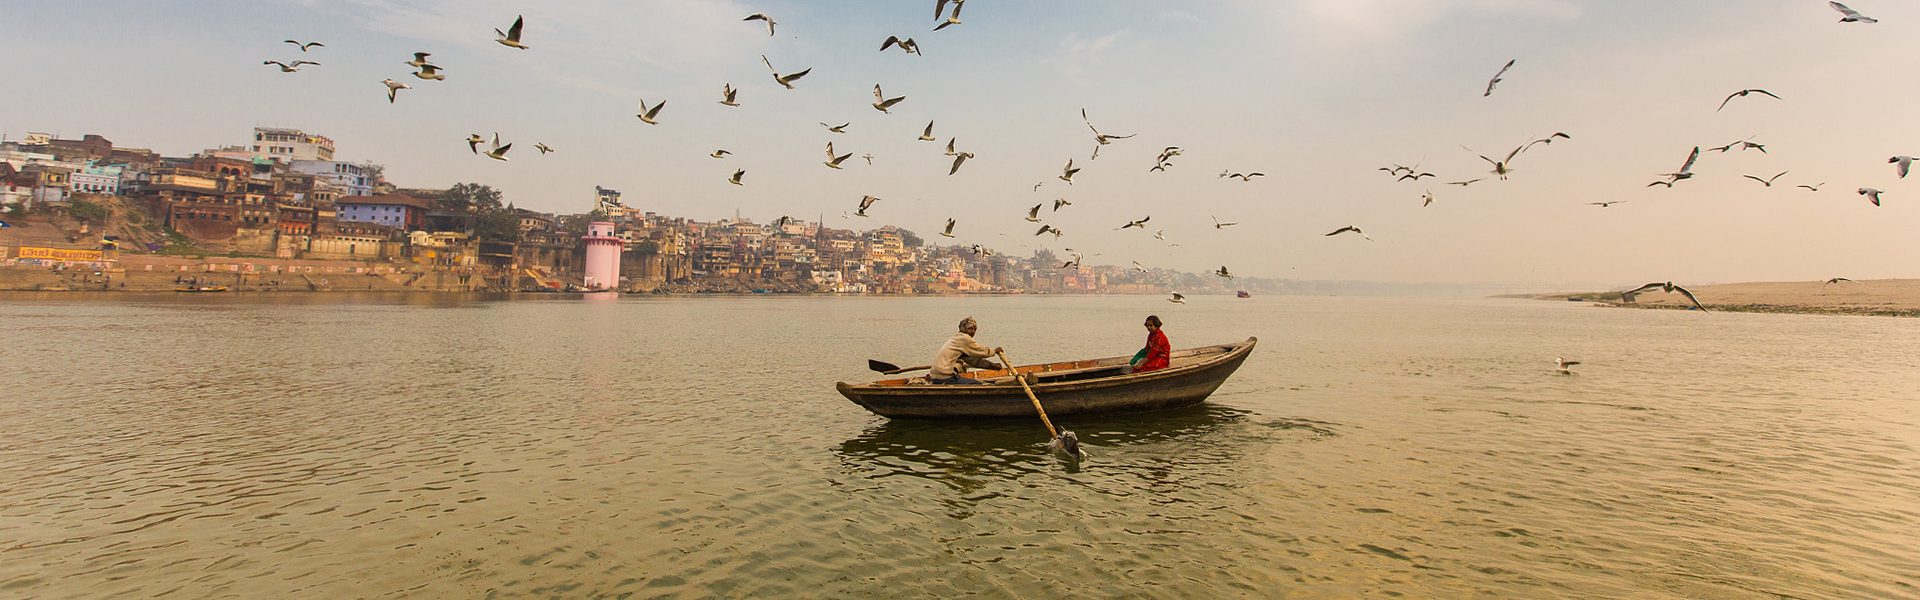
[
  {"x": 1066, "y": 388},
  {"x": 201, "y": 288}
]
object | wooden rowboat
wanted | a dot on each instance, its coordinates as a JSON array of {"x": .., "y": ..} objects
[
  {"x": 1066, "y": 388},
  {"x": 202, "y": 288}
]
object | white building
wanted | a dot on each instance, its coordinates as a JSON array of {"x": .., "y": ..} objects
[
  {"x": 350, "y": 177},
  {"x": 288, "y": 145},
  {"x": 96, "y": 178}
]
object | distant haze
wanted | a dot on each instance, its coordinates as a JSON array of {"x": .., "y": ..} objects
[{"x": 1315, "y": 93}]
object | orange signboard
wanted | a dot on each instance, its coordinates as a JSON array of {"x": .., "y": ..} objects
[{"x": 58, "y": 254}]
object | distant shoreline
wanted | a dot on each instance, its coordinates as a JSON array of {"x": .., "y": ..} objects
[{"x": 1873, "y": 298}]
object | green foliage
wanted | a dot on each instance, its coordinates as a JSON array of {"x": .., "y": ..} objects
[
  {"x": 498, "y": 225},
  {"x": 472, "y": 198},
  {"x": 910, "y": 240},
  {"x": 88, "y": 211}
]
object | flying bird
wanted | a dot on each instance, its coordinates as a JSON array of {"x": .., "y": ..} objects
[
  {"x": 1605, "y": 204},
  {"x": 957, "y": 160},
  {"x": 1812, "y": 188},
  {"x": 306, "y": 46},
  {"x": 289, "y": 68},
  {"x": 949, "y": 231},
  {"x": 1218, "y": 225},
  {"x": 1873, "y": 195},
  {"x": 1500, "y": 167},
  {"x": 1033, "y": 214},
  {"x": 1497, "y": 78},
  {"x": 833, "y": 162},
  {"x": 1743, "y": 94},
  {"x": 950, "y": 151},
  {"x": 881, "y": 102},
  {"x": 1837, "y": 280},
  {"x": 1048, "y": 229},
  {"x": 430, "y": 73},
  {"x": 1177, "y": 298},
  {"x": 940, "y": 7},
  {"x": 1668, "y": 287},
  {"x": 1059, "y": 202},
  {"x": 511, "y": 37},
  {"x": 1849, "y": 15},
  {"x": 419, "y": 60},
  {"x": 865, "y": 202},
  {"x": 1465, "y": 183},
  {"x": 1347, "y": 229},
  {"x": 737, "y": 174},
  {"x": 1250, "y": 176},
  {"x": 1561, "y": 364},
  {"x": 785, "y": 81},
  {"x": 1223, "y": 272},
  {"x": 1427, "y": 199},
  {"x": 393, "y": 89},
  {"x": 474, "y": 141},
  {"x": 1685, "y": 172},
  {"x": 1142, "y": 224},
  {"x": 927, "y": 134},
  {"x": 1417, "y": 176},
  {"x": 868, "y": 157},
  {"x": 647, "y": 115},
  {"x": 719, "y": 154},
  {"x": 727, "y": 94},
  {"x": 498, "y": 152},
  {"x": 1901, "y": 164},
  {"x": 1066, "y": 173},
  {"x": 1545, "y": 140},
  {"x": 1766, "y": 182},
  {"x": 543, "y": 148},
  {"x": 841, "y": 128},
  {"x": 907, "y": 45},
  {"x": 1101, "y": 138},
  {"x": 761, "y": 17}
]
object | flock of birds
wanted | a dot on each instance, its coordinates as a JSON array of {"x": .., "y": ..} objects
[{"x": 1499, "y": 168}]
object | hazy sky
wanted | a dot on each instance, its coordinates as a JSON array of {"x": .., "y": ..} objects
[{"x": 1315, "y": 93}]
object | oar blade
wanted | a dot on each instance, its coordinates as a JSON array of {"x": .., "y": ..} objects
[{"x": 881, "y": 366}]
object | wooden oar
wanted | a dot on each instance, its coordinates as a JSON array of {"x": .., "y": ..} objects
[
  {"x": 887, "y": 368},
  {"x": 1067, "y": 441}
]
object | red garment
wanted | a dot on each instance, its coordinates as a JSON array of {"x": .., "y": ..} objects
[{"x": 1158, "y": 351}]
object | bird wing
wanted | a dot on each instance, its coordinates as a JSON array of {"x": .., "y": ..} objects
[
  {"x": 1754, "y": 178},
  {"x": 829, "y": 150},
  {"x": 513, "y": 33},
  {"x": 950, "y": 225},
  {"x": 763, "y": 58},
  {"x": 796, "y": 76},
  {"x": 1034, "y": 213},
  {"x": 1843, "y": 9},
  {"x": 957, "y": 159},
  {"x": 1767, "y": 93},
  {"x": 1690, "y": 297},
  {"x": 1730, "y": 97},
  {"x": 891, "y": 41},
  {"x": 1770, "y": 179},
  {"x": 1686, "y": 168},
  {"x": 1651, "y": 286},
  {"x": 929, "y": 131}
]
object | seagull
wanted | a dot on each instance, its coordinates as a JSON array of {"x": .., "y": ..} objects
[
  {"x": 474, "y": 141},
  {"x": 784, "y": 80},
  {"x": 1496, "y": 78},
  {"x": 1036, "y": 187},
  {"x": 949, "y": 231},
  {"x": 1396, "y": 170},
  {"x": 881, "y": 102},
  {"x": 543, "y": 148},
  {"x": 950, "y": 151},
  {"x": 1605, "y": 204},
  {"x": 304, "y": 47},
  {"x": 1743, "y": 94},
  {"x": 957, "y": 160},
  {"x": 431, "y": 73},
  {"x": 1160, "y": 234},
  {"x": 1837, "y": 280},
  {"x": 1850, "y": 15},
  {"x": 1142, "y": 224},
  {"x": 1059, "y": 202},
  {"x": 906, "y": 45},
  {"x": 393, "y": 88},
  {"x": 1668, "y": 287},
  {"x": 865, "y": 201},
  {"x": 1872, "y": 195},
  {"x": 719, "y": 154},
  {"x": 1766, "y": 182},
  {"x": 1075, "y": 263},
  {"x": 927, "y": 134},
  {"x": 737, "y": 174},
  {"x": 498, "y": 152},
  {"x": 1347, "y": 229},
  {"x": 647, "y": 114},
  {"x": 1545, "y": 140},
  {"x": 1066, "y": 173},
  {"x": 761, "y": 17},
  {"x": 1500, "y": 167},
  {"x": 833, "y": 162},
  {"x": 511, "y": 37},
  {"x": 1417, "y": 176},
  {"x": 1465, "y": 183},
  {"x": 1812, "y": 188},
  {"x": 1685, "y": 172},
  {"x": 868, "y": 157},
  {"x": 727, "y": 94},
  {"x": 1033, "y": 214},
  {"x": 1218, "y": 225},
  {"x": 289, "y": 68},
  {"x": 1428, "y": 197},
  {"x": 1048, "y": 229},
  {"x": 1101, "y": 138},
  {"x": 841, "y": 128},
  {"x": 1561, "y": 364},
  {"x": 1223, "y": 272},
  {"x": 1901, "y": 164},
  {"x": 419, "y": 60},
  {"x": 1250, "y": 176},
  {"x": 1177, "y": 298},
  {"x": 940, "y": 6}
]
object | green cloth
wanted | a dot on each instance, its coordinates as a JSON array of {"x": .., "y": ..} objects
[{"x": 1138, "y": 356}]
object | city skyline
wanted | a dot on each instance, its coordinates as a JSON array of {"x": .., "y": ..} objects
[{"x": 1314, "y": 93}]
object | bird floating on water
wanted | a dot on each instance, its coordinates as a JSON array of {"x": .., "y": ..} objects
[
  {"x": 1743, "y": 94},
  {"x": 1849, "y": 15},
  {"x": 761, "y": 17},
  {"x": 511, "y": 37},
  {"x": 307, "y": 45},
  {"x": 648, "y": 115}
]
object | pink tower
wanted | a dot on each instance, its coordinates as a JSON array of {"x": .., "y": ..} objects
[{"x": 603, "y": 256}]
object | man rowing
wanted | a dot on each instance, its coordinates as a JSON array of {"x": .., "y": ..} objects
[{"x": 961, "y": 352}]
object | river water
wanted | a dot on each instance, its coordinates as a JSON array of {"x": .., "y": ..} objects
[{"x": 341, "y": 446}]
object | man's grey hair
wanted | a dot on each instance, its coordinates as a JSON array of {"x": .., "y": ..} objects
[{"x": 968, "y": 323}]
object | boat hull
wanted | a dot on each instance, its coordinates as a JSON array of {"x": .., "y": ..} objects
[{"x": 1178, "y": 386}]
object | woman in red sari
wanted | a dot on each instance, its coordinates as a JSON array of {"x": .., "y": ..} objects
[{"x": 1157, "y": 350}]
